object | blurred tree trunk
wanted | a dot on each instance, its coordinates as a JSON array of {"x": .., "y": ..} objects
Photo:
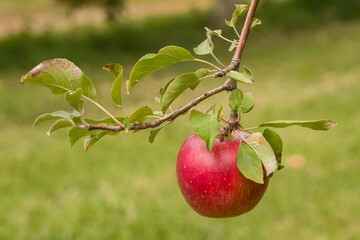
[{"x": 222, "y": 10}]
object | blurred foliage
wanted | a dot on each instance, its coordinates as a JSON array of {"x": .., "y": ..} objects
[
  {"x": 121, "y": 41},
  {"x": 115, "y": 42},
  {"x": 110, "y": 7},
  {"x": 294, "y": 14}
]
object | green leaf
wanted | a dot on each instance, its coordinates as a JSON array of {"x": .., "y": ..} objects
[
  {"x": 117, "y": 71},
  {"x": 245, "y": 77},
  {"x": 263, "y": 149},
  {"x": 95, "y": 136},
  {"x": 249, "y": 164},
  {"x": 206, "y": 127},
  {"x": 59, "y": 124},
  {"x": 214, "y": 32},
  {"x": 60, "y": 76},
  {"x": 156, "y": 130},
  {"x": 235, "y": 99},
  {"x": 247, "y": 103},
  {"x": 193, "y": 113},
  {"x": 205, "y": 47},
  {"x": 255, "y": 22},
  {"x": 152, "y": 62},
  {"x": 313, "y": 124},
  {"x": 240, "y": 10},
  {"x": 233, "y": 46},
  {"x": 217, "y": 32},
  {"x": 73, "y": 112},
  {"x": 51, "y": 116},
  {"x": 275, "y": 142},
  {"x": 139, "y": 114},
  {"x": 219, "y": 113},
  {"x": 75, "y": 134},
  {"x": 177, "y": 86},
  {"x": 75, "y": 101},
  {"x": 202, "y": 72}
]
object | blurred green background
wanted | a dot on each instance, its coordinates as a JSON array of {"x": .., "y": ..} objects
[{"x": 305, "y": 58}]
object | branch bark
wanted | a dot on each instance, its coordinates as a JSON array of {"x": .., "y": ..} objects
[
  {"x": 231, "y": 84},
  {"x": 170, "y": 117},
  {"x": 234, "y": 65}
]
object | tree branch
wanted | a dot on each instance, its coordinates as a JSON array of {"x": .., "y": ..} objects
[
  {"x": 170, "y": 117},
  {"x": 241, "y": 44},
  {"x": 229, "y": 85}
]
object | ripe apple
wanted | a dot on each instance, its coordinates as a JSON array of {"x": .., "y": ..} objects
[{"x": 211, "y": 182}]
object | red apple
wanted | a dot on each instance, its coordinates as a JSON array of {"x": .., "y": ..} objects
[{"x": 211, "y": 182}]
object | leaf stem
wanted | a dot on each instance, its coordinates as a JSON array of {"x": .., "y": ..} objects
[
  {"x": 217, "y": 60},
  {"x": 226, "y": 39},
  {"x": 237, "y": 33},
  {"x": 167, "y": 118},
  {"x": 105, "y": 111},
  {"x": 208, "y": 63}
]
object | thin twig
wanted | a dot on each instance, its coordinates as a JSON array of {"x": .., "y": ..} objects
[
  {"x": 242, "y": 40},
  {"x": 208, "y": 63},
  {"x": 221, "y": 72},
  {"x": 170, "y": 117},
  {"x": 105, "y": 111}
]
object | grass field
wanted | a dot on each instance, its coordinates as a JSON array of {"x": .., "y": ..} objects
[{"x": 126, "y": 188}]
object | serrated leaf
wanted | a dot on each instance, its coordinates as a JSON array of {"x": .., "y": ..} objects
[
  {"x": 51, "y": 116},
  {"x": 139, "y": 114},
  {"x": 75, "y": 134},
  {"x": 152, "y": 62},
  {"x": 204, "y": 48},
  {"x": 263, "y": 149},
  {"x": 247, "y": 103},
  {"x": 60, "y": 75},
  {"x": 94, "y": 137},
  {"x": 156, "y": 130},
  {"x": 117, "y": 71},
  {"x": 177, "y": 86},
  {"x": 206, "y": 127},
  {"x": 59, "y": 124},
  {"x": 275, "y": 142},
  {"x": 235, "y": 99},
  {"x": 312, "y": 124},
  {"x": 75, "y": 101},
  {"x": 245, "y": 77},
  {"x": 255, "y": 22},
  {"x": 240, "y": 10},
  {"x": 249, "y": 163}
]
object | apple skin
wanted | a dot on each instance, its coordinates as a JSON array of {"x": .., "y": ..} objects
[{"x": 211, "y": 182}]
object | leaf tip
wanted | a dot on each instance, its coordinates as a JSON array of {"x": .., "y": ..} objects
[
  {"x": 86, "y": 144},
  {"x": 330, "y": 124},
  {"x": 22, "y": 80}
]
